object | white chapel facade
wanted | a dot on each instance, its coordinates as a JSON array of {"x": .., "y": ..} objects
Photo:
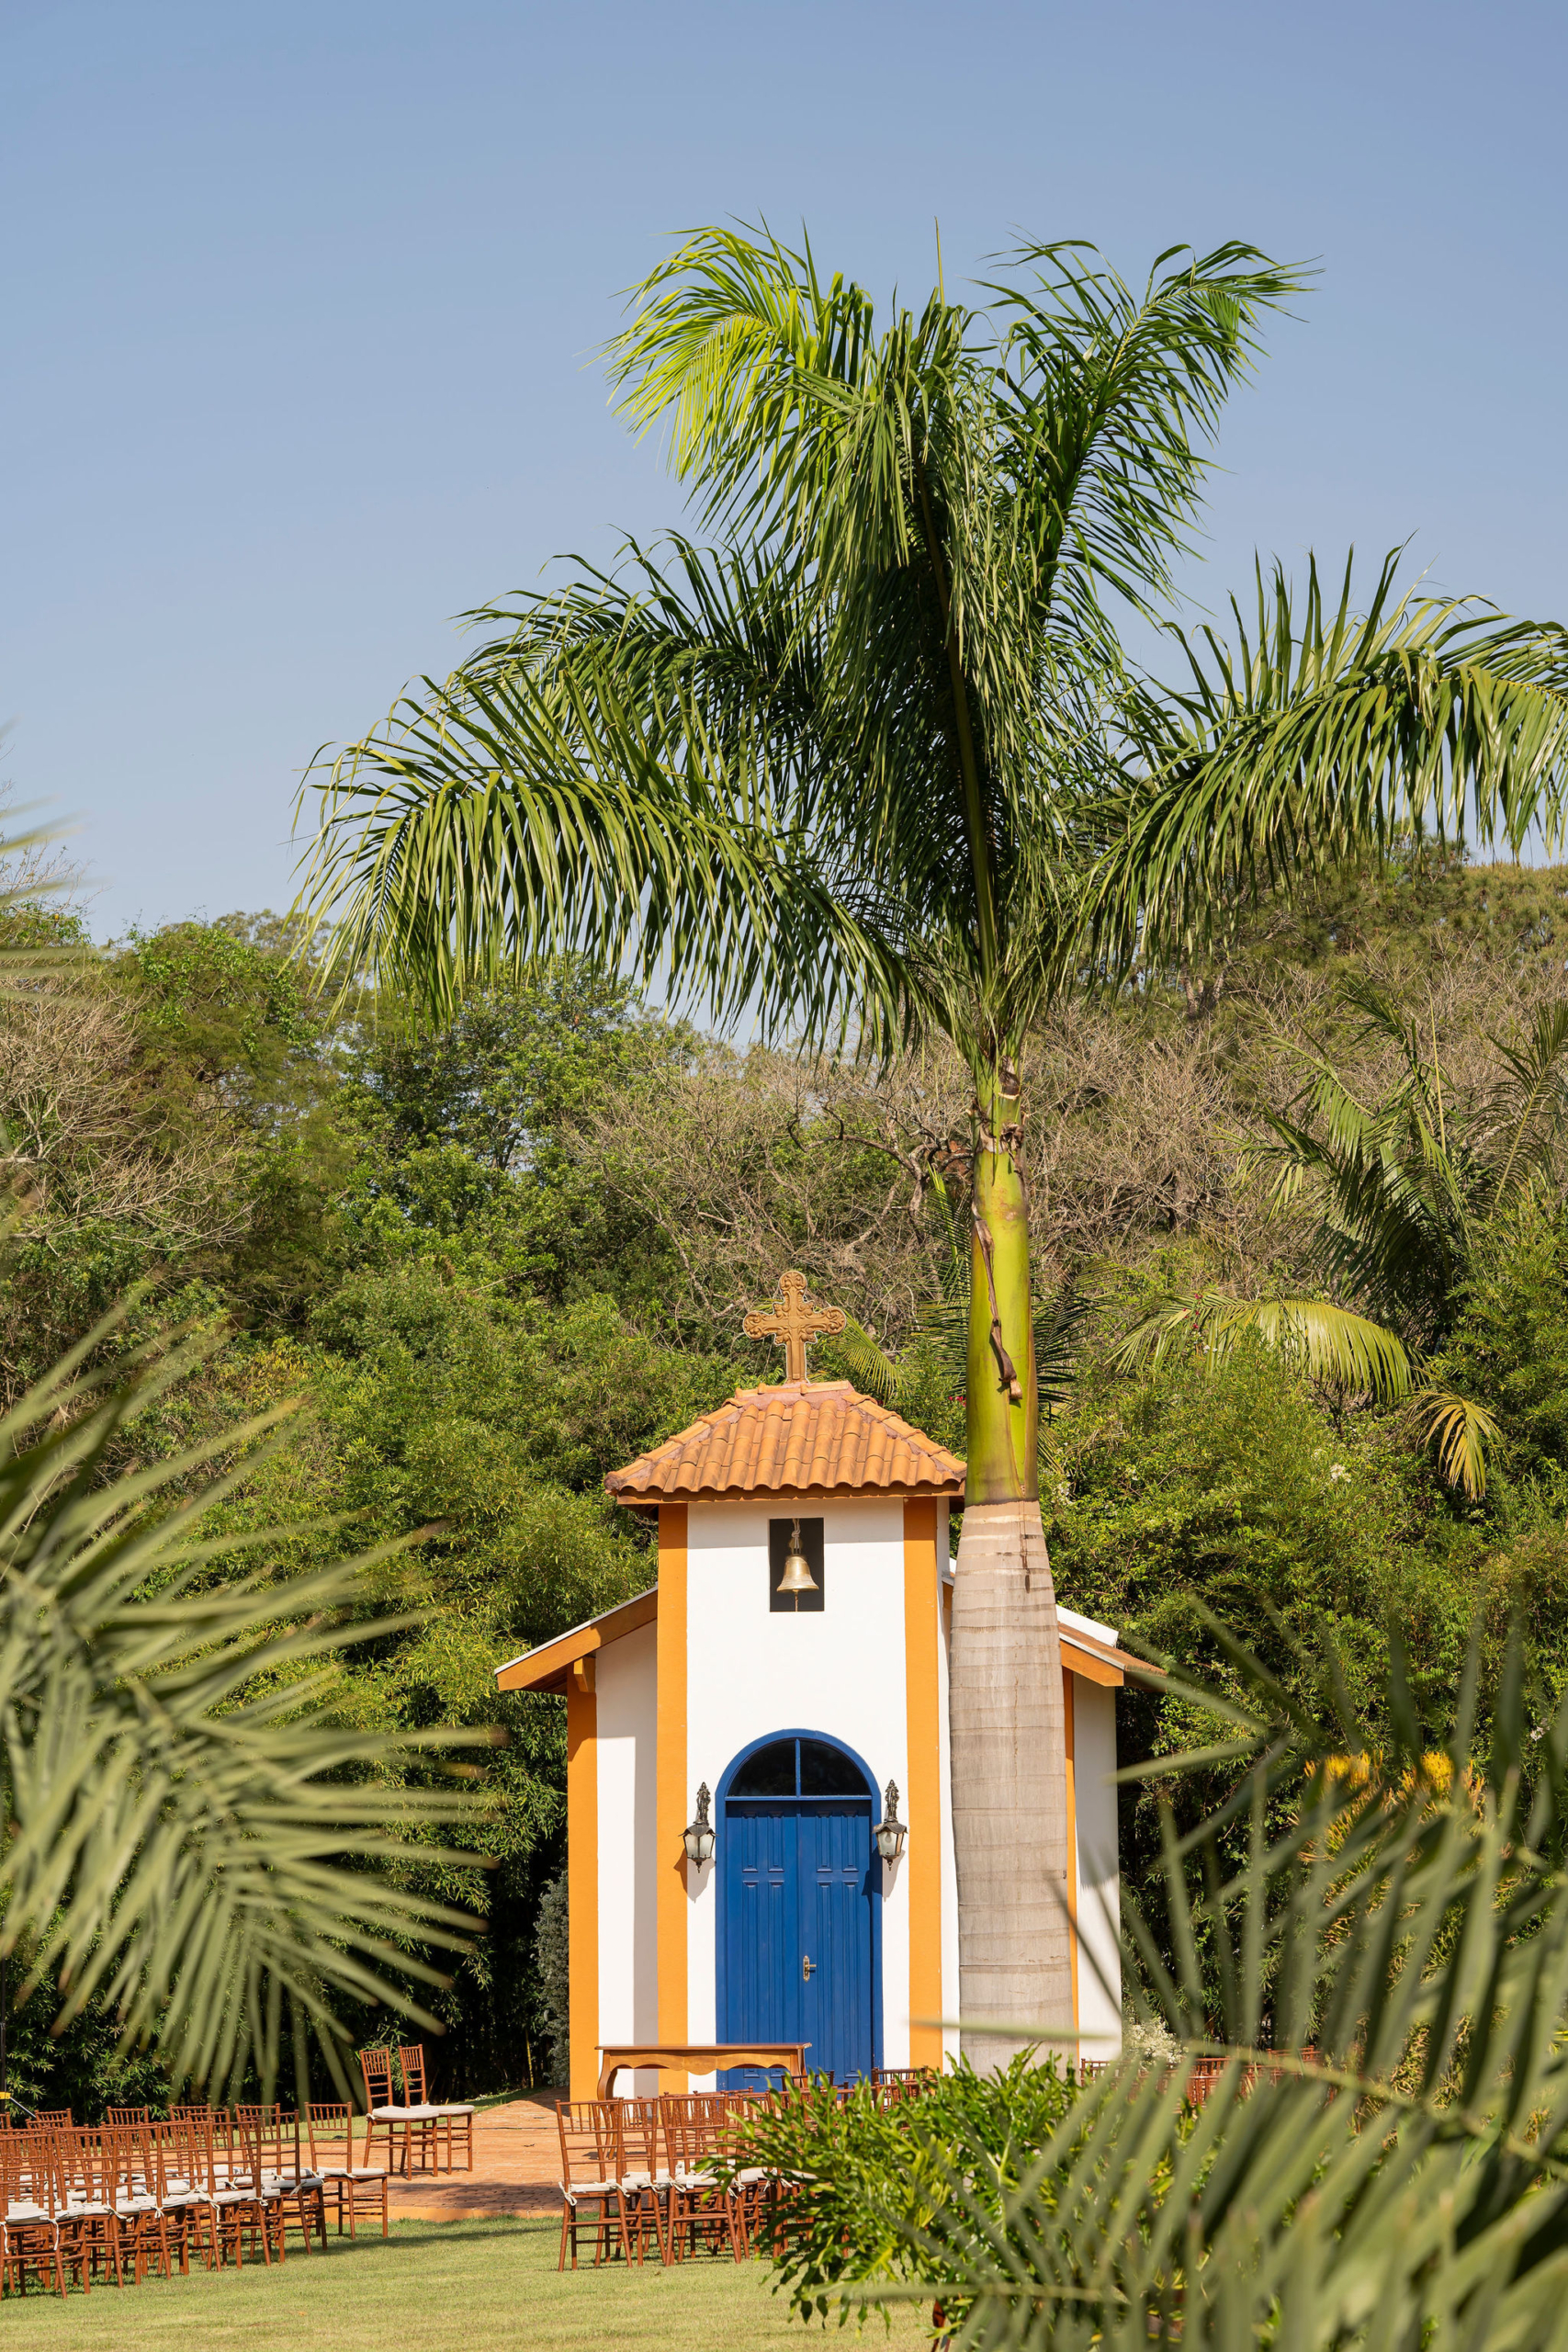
[{"x": 789, "y": 1666}]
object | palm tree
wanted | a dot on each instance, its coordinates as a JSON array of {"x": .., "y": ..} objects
[
  {"x": 868, "y": 760},
  {"x": 195, "y": 1831},
  {"x": 1406, "y": 1193}
]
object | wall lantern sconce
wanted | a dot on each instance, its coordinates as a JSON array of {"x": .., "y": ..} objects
[
  {"x": 698, "y": 1834},
  {"x": 890, "y": 1832}
]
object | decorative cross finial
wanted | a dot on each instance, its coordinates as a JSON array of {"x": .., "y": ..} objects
[{"x": 792, "y": 1323}]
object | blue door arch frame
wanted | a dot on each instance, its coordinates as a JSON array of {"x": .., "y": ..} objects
[{"x": 834, "y": 1825}]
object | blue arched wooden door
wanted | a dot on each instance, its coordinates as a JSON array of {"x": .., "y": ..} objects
[{"x": 799, "y": 1912}]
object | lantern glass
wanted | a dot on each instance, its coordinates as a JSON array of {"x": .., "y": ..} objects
[
  {"x": 698, "y": 1834},
  {"x": 890, "y": 1832}
]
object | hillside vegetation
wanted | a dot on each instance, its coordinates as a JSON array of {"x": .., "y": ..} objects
[{"x": 492, "y": 1261}]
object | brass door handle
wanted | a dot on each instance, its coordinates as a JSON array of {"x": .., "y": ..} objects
[{"x": 807, "y": 1966}]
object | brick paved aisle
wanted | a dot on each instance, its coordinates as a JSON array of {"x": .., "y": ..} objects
[{"x": 516, "y": 2168}]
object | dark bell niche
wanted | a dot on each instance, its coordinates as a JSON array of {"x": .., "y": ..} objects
[{"x": 781, "y": 1533}]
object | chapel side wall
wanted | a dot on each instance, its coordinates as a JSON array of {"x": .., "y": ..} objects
[
  {"x": 628, "y": 1946},
  {"x": 1099, "y": 1880},
  {"x": 752, "y": 1672}
]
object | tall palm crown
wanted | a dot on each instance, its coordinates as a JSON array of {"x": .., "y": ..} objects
[
  {"x": 862, "y": 712},
  {"x": 874, "y": 762}
]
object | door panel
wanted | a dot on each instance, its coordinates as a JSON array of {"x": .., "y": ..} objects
[
  {"x": 835, "y": 1855},
  {"x": 762, "y": 1924},
  {"x": 797, "y": 1887}
]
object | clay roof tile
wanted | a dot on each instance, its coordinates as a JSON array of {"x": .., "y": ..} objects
[{"x": 815, "y": 1437}]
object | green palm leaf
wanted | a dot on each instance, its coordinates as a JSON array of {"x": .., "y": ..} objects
[
  {"x": 1459, "y": 1432},
  {"x": 1321, "y": 734},
  {"x": 195, "y": 1833},
  {"x": 1330, "y": 1343}
]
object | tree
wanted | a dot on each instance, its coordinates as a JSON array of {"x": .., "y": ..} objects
[
  {"x": 870, "y": 761},
  {"x": 1407, "y": 1193}
]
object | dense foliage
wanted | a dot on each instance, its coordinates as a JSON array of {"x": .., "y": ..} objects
[{"x": 493, "y": 1260}]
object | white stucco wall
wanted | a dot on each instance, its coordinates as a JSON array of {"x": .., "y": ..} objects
[
  {"x": 1099, "y": 1887},
  {"x": 753, "y": 1672},
  {"x": 626, "y": 1684}
]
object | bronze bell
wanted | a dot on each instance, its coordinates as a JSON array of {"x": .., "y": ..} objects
[{"x": 797, "y": 1577}]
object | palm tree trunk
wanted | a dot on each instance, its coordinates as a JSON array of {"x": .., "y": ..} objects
[{"x": 1010, "y": 1786}]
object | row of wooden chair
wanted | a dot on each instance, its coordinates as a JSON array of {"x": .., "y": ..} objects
[
  {"x": 135, "y": 2194},
  {"x": 634, "y": 2169}
]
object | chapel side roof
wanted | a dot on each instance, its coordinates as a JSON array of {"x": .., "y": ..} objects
[
  {"x": 802, "y": 1439},
  {"x": 548, "y": 1668}
]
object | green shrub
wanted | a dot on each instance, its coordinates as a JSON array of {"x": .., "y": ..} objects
[{"x": 868, "y": 2186}]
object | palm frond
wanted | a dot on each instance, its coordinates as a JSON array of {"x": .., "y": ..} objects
[
  {"x": 1328, "y": 1342},
  {"x": 1528, "y": 1108},
  {"x": 1459, "y": 1432},
  {"x": 195, "y": 1833},
  {"x": 1378, "y": 1957},
  {"x": 618, "y": 778},
  {"x": 1321, "y": 733},
  {"x": 1111, "y": 395}
]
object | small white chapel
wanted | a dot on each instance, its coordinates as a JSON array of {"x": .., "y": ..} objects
[{"x": 758, "y": 1798}]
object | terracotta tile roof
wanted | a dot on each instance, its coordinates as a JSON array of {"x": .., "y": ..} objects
[{"x": 803, "y": 1438}]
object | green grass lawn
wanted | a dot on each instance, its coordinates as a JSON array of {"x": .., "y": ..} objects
[{"x": 432, "y": 2287}]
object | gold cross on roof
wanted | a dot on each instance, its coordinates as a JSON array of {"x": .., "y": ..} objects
[{"x": 790, "y": 1323}]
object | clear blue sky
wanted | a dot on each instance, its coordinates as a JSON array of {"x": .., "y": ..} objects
[{"x": 302, "y": 303}]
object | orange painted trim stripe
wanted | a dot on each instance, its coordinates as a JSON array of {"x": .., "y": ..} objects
[
  {"x": 672, "y": 1797},
  {"x": 922, "y": 1855},
  {"x": 1070, "y": 1729},
  {"x": 582, "y": 1877}
]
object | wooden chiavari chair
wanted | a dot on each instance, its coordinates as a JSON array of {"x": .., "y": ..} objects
[
  {"x": 285, "y": 2169},
  {"x": 752, "y": 2182},
  {"x": 89, "y": 2172},
  {"x": 591, "y": 2197},
  {"x": 644, "y": 2172},
  {"x": 128, "y": 2115},
  {"x": 381, "y": 2109},
  {"x": 185, "y": 2153},
  {"x": 52, "y": 2118},
  {"x": 448, "y": 2113},
  {"x": 33, "y": 2241},
  {"x": 701, "y": 2213},
  {"x": 138, "y": 2194},
  {"x": 356, "y": 2189},
  {"x": 892, "y": 2085},
  {"x": 243, "y": 2208}
]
